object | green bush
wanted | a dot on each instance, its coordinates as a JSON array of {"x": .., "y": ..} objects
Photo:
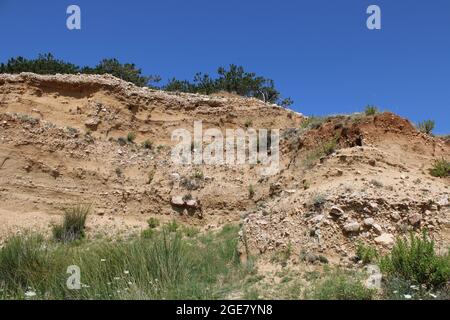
[
  {"x": 440, "y": 169},
  {"x": 147, "y": 144},
  {"x": 416, "y": 261},
  {"x": 233, "y": 79},
  {"x": 47, "y": 64},
  {"x": 172, "y": 226},
  {"x": 73, "y": 226},
  {"x": 340, "y": 285},
  {"x": 426, "y": 126},
  {"x": 366, "y": 254},
  {"x": 371, "y": 110},
  {"x": 131, "y": 136},
  {"x": 153, "y": 223},
  {"x": 318, "y": 200}
]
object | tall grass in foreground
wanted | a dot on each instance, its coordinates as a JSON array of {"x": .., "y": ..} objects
[
  {"x": 340, "y": 285},
  {"x": 166, "y": 265}
]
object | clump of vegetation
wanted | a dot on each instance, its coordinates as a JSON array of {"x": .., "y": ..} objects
[
  {"x": 131, "y": 136},
  {"x": 153, "y": 223},
  {"x": 282, "y": 256},
  {"x": 427, "y": 126},
  {"x": 323, "y": 150},
  {"x": 147, "y": 144},
  {"x": 72, "y": 131},
  {"x": 47, "y": 64},
  {"x": 234, "y": 80},
  {"x": 73, "y": 226},
  {"x": 187, "y": 197},
  {"x": 416, "y": 261},
  {"x": 198, "y": 175},
  {"x": 306, "y": 184},
  {"x": 366, "y": 254},
  {"x": 340, "y": 285},
  {"x": 441, "y": 168},
  {"x": 371, "y": 110},
  {"x": 28, "y": 118},
  {"x": 172, "y": 226},
  {"x": 312, "y": 122},
  {"x": 151, "y": 175},
  {"x": 122, "y": 141},
  {"x": 251, "y": 191},
  {"x": 318, "y": 200},
  {"x": 376, "y": 183},
  {"x": 118, "y": 172}
]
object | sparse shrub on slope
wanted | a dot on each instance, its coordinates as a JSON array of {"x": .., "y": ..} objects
[
  {"x": 371, "y": 110},
  {"x": 440, "y": 169},
  {"x": 73, "y": 226},
  {"x": 416, "y": 261},
  {"x": 312, "y": 122},
  {"x": 366, "y": 254},
  {"x": 131, "y": 136},
  {"x": 427, "y": 126}
]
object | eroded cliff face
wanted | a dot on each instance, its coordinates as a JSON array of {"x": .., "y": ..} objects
[{"x": 63, "y": 141}]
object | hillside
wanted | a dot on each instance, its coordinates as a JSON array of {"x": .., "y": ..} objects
[{"x": 342, "y": 180}]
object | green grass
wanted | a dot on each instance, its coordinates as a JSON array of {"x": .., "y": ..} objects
[
  {"x": 440, "y": 169},
  {"x": 131, "y": 136},
  {"x": 153, "y": 223},
  {"x": 417, "y": 262},
  {"x": 73, "y": 226},
  {"x": 366, "y": 254},
  {"x": 371, "y": 110},
  {"x": 165, "y": 266},
  {"x": 340, "y": 285}
]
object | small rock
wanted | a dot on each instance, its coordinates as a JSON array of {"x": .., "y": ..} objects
[
  {"x": 335, "y": 211},
  {"x": 191, "y": 203},
  {"x": 395, "y": 216},
  {"x": 177, "y": 201},
  {"x": 352, "y": 227},
  {"x": 386, "y": 239},
  {"x": 369, "y": 222},
  {"x": 92, "y": 123},
  {"x": 414, "y": 219},
  {"x": 377, "y": 228},
  {"x": 373, "y": 206}
]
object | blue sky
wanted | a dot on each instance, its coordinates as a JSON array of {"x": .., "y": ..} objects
[{"x": 319, "y": 52}]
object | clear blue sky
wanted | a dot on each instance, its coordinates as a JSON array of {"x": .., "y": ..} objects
[{"x": 319, "y": 52}]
